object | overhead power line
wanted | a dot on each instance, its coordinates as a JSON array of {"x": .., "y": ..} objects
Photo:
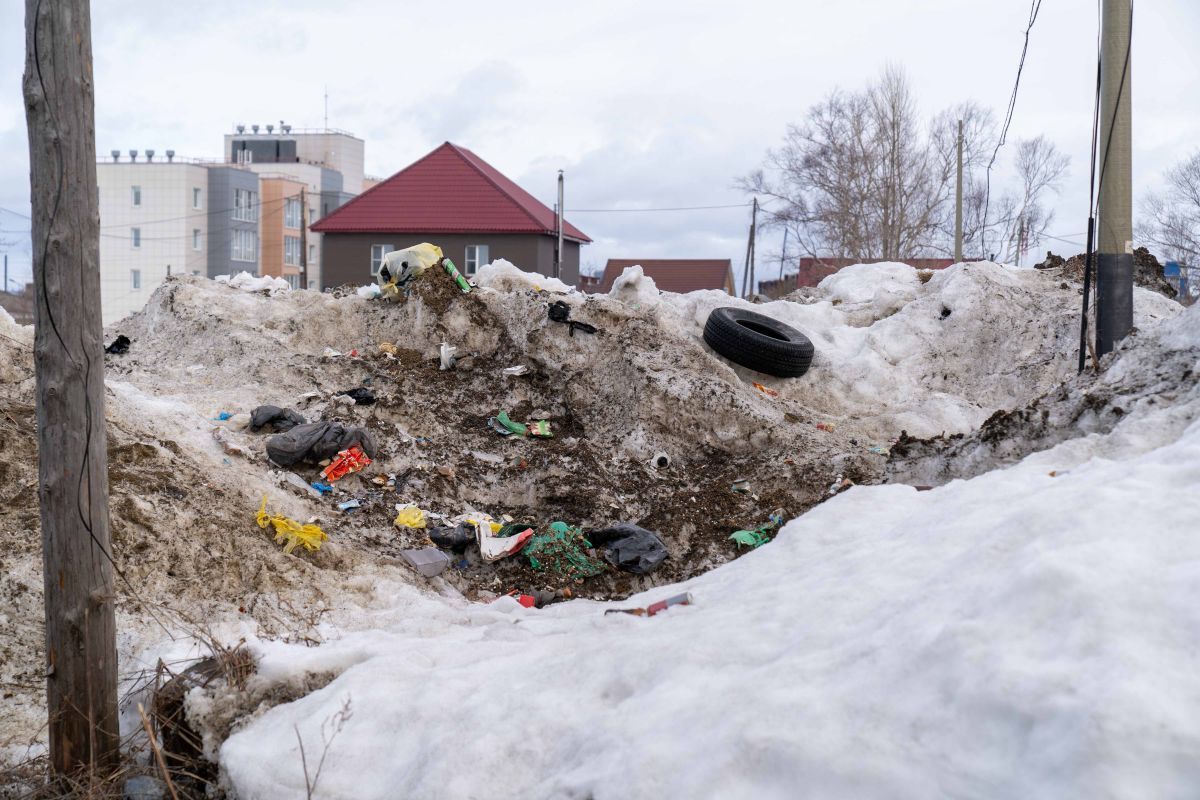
[
  {"x": 642, "y": 210},
  {"x": 1034, "y": 8}
]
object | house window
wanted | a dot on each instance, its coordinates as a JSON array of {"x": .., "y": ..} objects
[
  {"x": 378, "y": 251},
  {"x": 312, "y": 254},
  {"x": 293, "y": 281},
  {"x": 195, "y": 238},
  {"x": 291, "y": 250},
  {"x": 196, "y": 197},
  {"x": 243, "y": 245},
  {"x": 136, "y": 195},
  {"x": 136, "y": 235},
  {"x": 244, "y": 202},
  {"x": 291, "y": 213},
  {"x": 477, "y": 256},
  {"x": 135, "y": 278}
]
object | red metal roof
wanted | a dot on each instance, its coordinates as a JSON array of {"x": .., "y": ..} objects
[
  {"x": 675, "y": 274},
  {"x": 451, "y": 190}
]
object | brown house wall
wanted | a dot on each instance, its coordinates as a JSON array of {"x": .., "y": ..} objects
[{"x": 346, "y": 257}]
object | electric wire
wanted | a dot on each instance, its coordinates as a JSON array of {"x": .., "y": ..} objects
[{"x": 1035, "y": 7}]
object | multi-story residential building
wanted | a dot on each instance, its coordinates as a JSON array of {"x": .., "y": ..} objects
[
  {"x": 159, "y": 218},
  {"x": 283, "y": 199},
  {"x": 327, "y": 161}
]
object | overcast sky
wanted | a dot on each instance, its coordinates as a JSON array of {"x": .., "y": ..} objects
[{"x": 645, "y": 105}]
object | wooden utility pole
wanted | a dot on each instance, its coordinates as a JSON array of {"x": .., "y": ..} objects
[
  {"x": 958, "y": 208},
  {"x": 748, "y": 270},
  {"x": 1114, "y": 274},
  {"x": 81, "y": 657}
]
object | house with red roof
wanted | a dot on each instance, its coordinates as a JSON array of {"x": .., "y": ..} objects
[
  {"x": 675, "y": 274},
  {"x": 454, "y": 199}
]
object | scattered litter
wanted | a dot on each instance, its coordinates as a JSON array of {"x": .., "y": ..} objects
[
  {"x": 446, "y": 471},
  {"x": 298, "y": 482},
  {"x": 760, "y": 535},
  {"x": 289, "y": 531},
  {"x": 487, "y": 458},
  {"x": 630, "y": 548},
  {"x": 509, "y": 426},
  {"x": 826, "y": 426},
  {"x": 513, "y": 372},
  {"x": 741, "y": 486},
  {"x": 883, "y": 451},
  {"x": 429, "y": 561},
  {"x": 495, "y": 542},
  {"x": 766, "y": 391},
  {"x": 563, "y": 551},
  {"x": 119, "y": 346},
  {"x": 451, "y": 270},
  {"x": 350, "y": 505},
  {"x": 369, "y": 292},
  {"x": 409, "y": 516},
  {"x": 446, "y": 356},
  {"x": 322, "y": 488},
  {"x": 684, "y": 599},
  {"x": 276, "y": 418},
  {"x": 317, "y": 441},
  {"x": 401, "y": 266},
  {"x": 840, "y": 485},
  {"x": 660, "y": 461},
  {"x": 223, "y": 415},
  {"x": 329, "y": 352},
  {"x": 540, "y": 428},
  {"x": 1054, "y": 473},
  {"x": 361, "y": 395},
  {"x": 561, "y": 312},
  {"x": 222, "y": 436},
  {"x": 347, "y": 461},
  {"x": 388, "y": 348},
  {"x": 457, "y": 538},
  {"x": 540, "y": 598}
]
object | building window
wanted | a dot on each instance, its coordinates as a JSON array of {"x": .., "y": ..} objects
[
  {"x": 196, "y": 198},
  {"x": 136, "y": 235},
  {"x": 293, "y": 281},
  {"x": 136, "y": 195},
  {"x": 312, "y": 215},
  {"x": 243, "y": 245},
  {"x": 378, "y": 251},
  {"x": 312, "y": 254},
  {"x": 195, "y": 238},
  {"x": 477, "y": 256},
  {"x": 291, "y": 213},
  {"x": 244, "y": 205},
  {"x": 135, "y": 278},
  {"x": 291, "y": 250}
]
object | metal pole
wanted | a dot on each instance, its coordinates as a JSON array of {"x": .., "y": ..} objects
[
  {"x": 558, "y": 253},
  {"x": 753, "y": 242},
  {"x": 958, "y": 253},
  {"x": 303, "y": 239},
  {"x": 783, "y": 257},
  {"x": 1114, "y": 274}
]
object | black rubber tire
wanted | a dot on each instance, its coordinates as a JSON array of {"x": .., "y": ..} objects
[{"x": 757, "y": 342}]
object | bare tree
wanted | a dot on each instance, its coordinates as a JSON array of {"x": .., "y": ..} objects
[
  {"x": 862, "y": 177},
  {"x": 1173, "y": 224}
]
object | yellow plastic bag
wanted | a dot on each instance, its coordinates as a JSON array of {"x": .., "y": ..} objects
[
  {"x": 410, "y": 517},
  {"x": 289, "y": 530},
  {"x": 401, "y": 266}
]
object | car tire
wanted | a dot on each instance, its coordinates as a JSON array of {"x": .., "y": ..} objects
[{"x": 758, "y": 342}]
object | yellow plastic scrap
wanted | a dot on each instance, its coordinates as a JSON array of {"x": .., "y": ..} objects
[
  {"x": 404, "y": 265},
  {"x": 410, "y": 517},
  {"x": 287, "y": 529}
]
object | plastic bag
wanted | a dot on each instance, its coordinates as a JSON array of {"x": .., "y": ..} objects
[
  {"x": 409, "y": 516},
  {"x": 630, "y": 548},
  {"x": 290, "y": 531},
  {"x": 401, "y": 266}
]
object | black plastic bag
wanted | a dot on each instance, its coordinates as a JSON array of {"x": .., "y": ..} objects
[
  {"x": 458, "y": 538},
  {"x": 119, "y": 346},
  {"x": 317, "y": 441},
  {"x": 278, "y": 419},
  {"x": 360, "y": 395},
  {"x": 628, "y": 547}
]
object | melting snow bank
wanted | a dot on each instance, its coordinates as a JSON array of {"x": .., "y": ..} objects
[{"x": 1014, "y": 635}]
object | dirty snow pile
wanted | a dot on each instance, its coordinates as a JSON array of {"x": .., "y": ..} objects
[{"x": 1030, "y": 632}]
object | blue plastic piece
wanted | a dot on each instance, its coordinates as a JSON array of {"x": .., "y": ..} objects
[{"x": 323, "y": 488}]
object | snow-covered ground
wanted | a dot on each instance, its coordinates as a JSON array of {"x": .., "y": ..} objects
[
  {"x": 1020, "y": 634},
  {"x": 1029, "y": 632}
]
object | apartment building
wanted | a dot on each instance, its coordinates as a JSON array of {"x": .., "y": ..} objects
[
  {"x": 281, "y": 227},
  {"x": 171, "y": 217},
  {"x": 328, "y": 162}
]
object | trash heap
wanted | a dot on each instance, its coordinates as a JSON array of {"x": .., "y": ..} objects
[{"x": 623, "y": 450}]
